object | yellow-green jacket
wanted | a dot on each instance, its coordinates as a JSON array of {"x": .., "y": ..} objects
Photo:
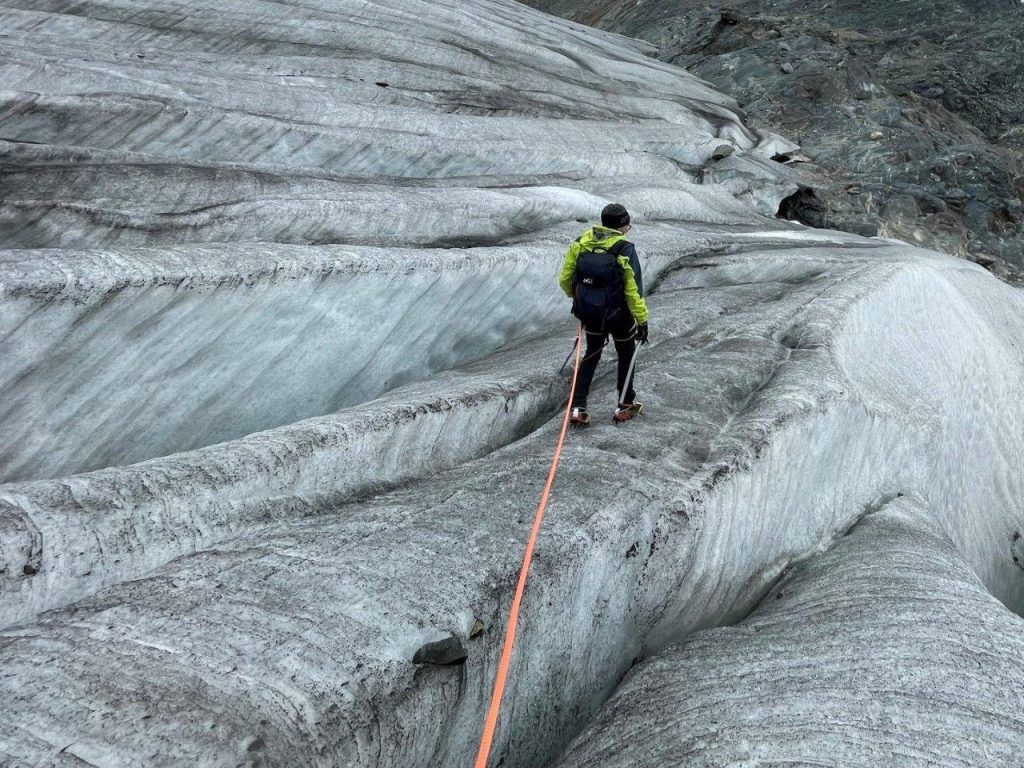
[{"x": 632, "y": 278}]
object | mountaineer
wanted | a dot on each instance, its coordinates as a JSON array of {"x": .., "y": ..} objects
[{"x": 601, "y": 274}]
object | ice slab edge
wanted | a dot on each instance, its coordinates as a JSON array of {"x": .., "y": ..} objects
[{"x": 64, "y": 539}]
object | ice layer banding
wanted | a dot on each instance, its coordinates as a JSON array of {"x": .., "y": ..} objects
[{"x": 186, "y": 584}]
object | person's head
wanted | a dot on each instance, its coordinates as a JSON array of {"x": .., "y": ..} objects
[{"x": 615, "y": 216}]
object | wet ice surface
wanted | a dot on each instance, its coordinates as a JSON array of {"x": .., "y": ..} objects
[{"x": 282, "y": 276}]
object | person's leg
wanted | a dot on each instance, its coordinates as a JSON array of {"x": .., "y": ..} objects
[
  {"x": 588, "y": 365},
  {"x": 625, "y": 348}
]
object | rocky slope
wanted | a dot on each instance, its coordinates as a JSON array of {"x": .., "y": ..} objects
[{"x": 910, "y": 113}]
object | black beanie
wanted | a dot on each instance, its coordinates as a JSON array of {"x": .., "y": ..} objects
[{"x": 614, "y": 216}]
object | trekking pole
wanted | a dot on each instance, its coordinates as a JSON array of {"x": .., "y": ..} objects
[
  {"x": 571, "y": 351},
  {"x": 629, "y": 374},
  {"x": 594, "y": 354}
]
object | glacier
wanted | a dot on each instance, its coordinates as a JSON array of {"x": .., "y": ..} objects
[
  {"x": 127, "y": 134},
  {"x": 282, "y": 342},
  {"x": 886, "y": 630}
]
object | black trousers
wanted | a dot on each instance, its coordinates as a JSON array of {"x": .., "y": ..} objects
[{"x": 623, "y": 335}]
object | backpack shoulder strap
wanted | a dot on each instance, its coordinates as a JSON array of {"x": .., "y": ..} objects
[{"x": 618, "y": 247}]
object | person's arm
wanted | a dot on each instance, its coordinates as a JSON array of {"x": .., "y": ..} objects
[
  {"x": 634, "y": 297},
  {"x": 569, "y": 268},
  {"x": 634, "y": 262}
]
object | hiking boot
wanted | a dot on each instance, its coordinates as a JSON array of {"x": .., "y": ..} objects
[
  {"x": 579, "y": 417},
  {"x": 627, "y": 411}
]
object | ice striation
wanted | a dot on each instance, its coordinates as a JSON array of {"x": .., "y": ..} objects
[
  {"x": 282, "y": 346},
  {"x": 375, "y": 140},
  {"x": 771, "y": 442},
  {"x": 885, "y": 650}
]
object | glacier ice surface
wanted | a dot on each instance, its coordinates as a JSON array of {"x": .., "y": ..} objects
[{"x": 280, "y": 339}]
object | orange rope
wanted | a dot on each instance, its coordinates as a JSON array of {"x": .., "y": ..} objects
[{"x": 491, "y": 721}]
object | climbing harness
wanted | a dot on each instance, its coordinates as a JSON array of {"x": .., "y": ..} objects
[{"x": 491, "y": 719}]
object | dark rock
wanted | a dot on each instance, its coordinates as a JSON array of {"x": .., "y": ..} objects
[
  {"x": 804, "y": 206},
  {"x": 722, "y": 151},
  {"x": 442, "y": 652},
  {"x": 901, "y": 207},
  {"x": 927, "y": 94},
  {"x": 930, "y": 204},
  {"x": 859, "y": 81},
  {"x": 888, "y": 116},
  {"x": 977, "y": 215}
]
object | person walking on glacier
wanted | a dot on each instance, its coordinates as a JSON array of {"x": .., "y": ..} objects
[{"x": 601, "y": 274}]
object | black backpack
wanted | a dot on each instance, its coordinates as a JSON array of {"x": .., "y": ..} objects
[{"x": 598, "y": 288}]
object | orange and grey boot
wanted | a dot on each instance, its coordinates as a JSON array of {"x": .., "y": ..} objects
[
  {"x": 579, "y": 417},
  {"x": 627, "y": 411}
]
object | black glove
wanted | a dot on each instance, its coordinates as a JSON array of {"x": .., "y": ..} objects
[{"x": 641, "y": 333}]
